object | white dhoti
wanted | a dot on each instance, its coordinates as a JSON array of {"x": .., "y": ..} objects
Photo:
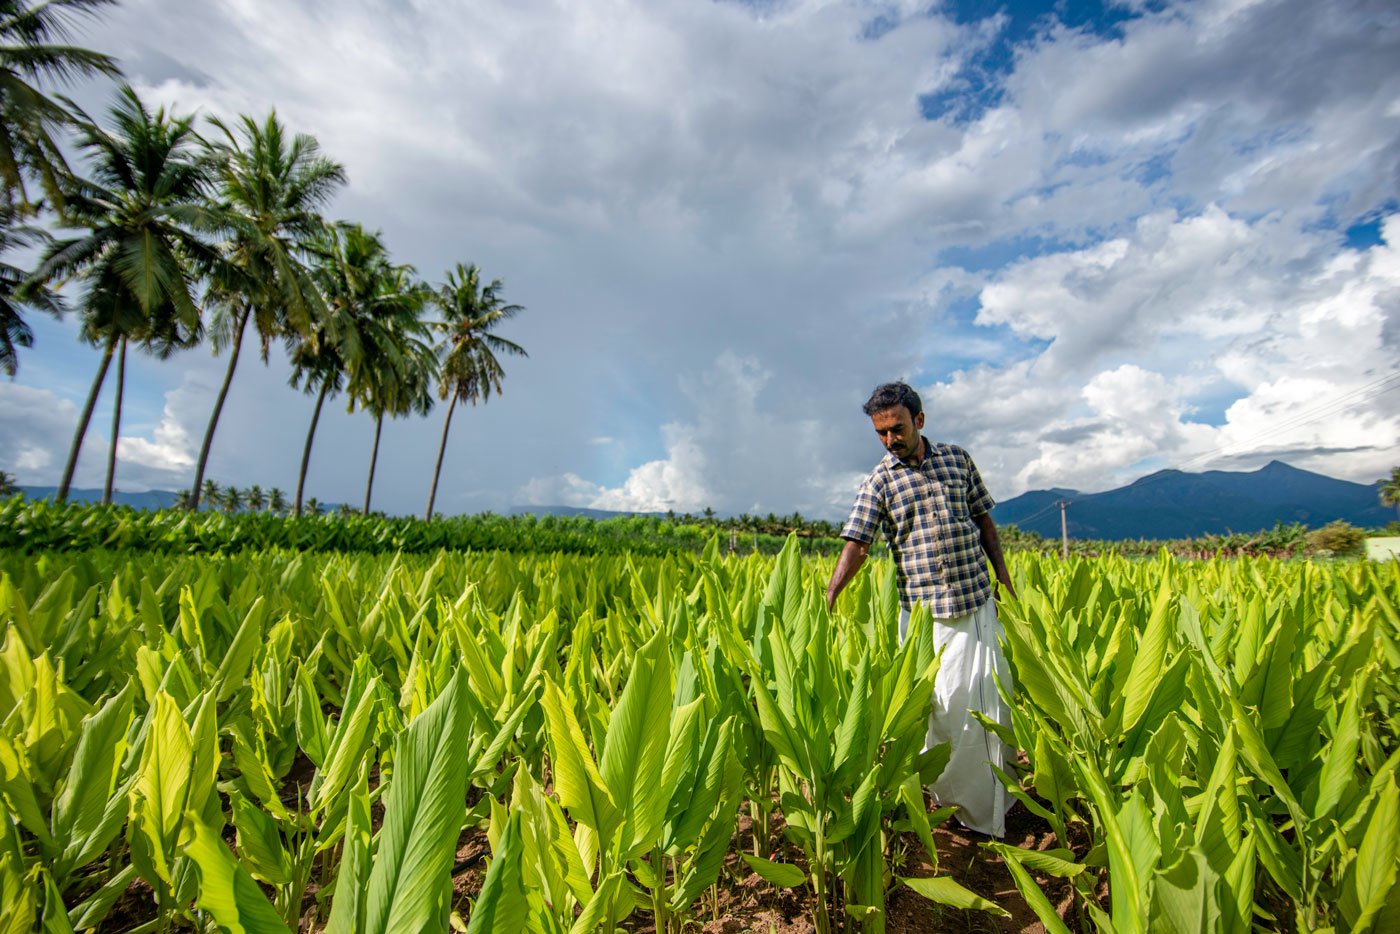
[{"x": 971, "y": 656}]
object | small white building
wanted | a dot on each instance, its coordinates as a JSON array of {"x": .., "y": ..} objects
[{"x": 1383, "y": 549}]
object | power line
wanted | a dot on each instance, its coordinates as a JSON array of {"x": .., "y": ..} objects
[{"x": 1373, "y": 390}]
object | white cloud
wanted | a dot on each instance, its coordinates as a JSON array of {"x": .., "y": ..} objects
[
  {"x": 1184, "y": 308},
  {"x": 733, "y": 454}
]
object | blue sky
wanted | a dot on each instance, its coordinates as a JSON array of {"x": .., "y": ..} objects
[{"x": 1101, "y": 239}]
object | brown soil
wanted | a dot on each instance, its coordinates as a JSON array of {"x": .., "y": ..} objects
[{"x": 747, "y": 903}]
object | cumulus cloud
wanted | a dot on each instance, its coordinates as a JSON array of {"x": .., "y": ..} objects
[
  {"x": 734, "y": 452},
  {"x": 1152, "y": 325}
]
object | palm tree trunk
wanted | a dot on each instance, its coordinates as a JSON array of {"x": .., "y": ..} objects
[
  {"x": 432, "y": 493},
  {"x": 373, "y": 458},
  {"x": 214, "y": 416},
  {"x": 116, "y": 426},
  {"x": 83, "y": 420},
  {"x": 306, "y": 454}
]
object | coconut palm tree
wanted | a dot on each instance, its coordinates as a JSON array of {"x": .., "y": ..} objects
[
  {"x": 1390, "y": 490},
  {"x": 233, "y": 499},
  {"x": 211, "y": 493},
  {"x": 469, "y": 371},
  {"x": 396, "y": 372},
  {"x": 182, "y": 500},
  {"x": 33, "y": 49},
  {"x": 272, "y": 187},
  {"x": 17, "y": 289},
  {"x": 405, "y": 388},
  {"x": 257, "y": 499},
  {"x": 313, "y": 507},
  {"x": 350, "y": 265},
  {"x": 276, "y": 500},
  {"x": 8, "y": 486},
  {"x": 139, "y": 215}
]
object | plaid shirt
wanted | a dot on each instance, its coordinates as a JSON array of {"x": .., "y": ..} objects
[{"x": 925, "y": 512}]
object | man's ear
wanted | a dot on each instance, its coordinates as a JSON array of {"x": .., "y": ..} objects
[{"x": 919, "y": 422}]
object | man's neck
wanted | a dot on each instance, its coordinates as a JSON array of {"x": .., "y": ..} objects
[{"x": 919, "y": 454}]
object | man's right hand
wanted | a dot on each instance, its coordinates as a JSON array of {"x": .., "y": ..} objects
[{"x": 852, "y": 557}]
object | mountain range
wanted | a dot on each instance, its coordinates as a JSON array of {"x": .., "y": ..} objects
[
  {"x": 1166, "y": 504},
  {"x": 1176, "y": 504}
]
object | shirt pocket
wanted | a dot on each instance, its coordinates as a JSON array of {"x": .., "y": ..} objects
[{"x": 952, "y": 485}]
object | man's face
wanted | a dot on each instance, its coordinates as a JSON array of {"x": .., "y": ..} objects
[{"x": 898, "y": 431}]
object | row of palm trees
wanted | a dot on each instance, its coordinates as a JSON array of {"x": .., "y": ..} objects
[
  {"x": 253, "y": 499},
  {"x": 174, "y": 236}
]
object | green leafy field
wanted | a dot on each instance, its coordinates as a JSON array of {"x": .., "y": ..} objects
[{"x": 270, "y": 740}]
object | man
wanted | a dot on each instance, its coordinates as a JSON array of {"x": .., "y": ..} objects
[{"x": 929, "y": 501}]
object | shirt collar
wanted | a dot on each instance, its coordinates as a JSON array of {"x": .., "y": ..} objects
[{"x": 891, "y": 461}]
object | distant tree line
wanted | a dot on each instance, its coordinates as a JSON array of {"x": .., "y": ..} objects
[{"x": 176, "y": 234}]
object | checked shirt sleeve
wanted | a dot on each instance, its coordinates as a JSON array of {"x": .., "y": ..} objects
[
  {"x": 978, "y": 499},
  {"x": 865, "y": 516}
]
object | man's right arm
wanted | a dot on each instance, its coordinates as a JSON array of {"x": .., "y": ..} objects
[{"x": 852, "y": 557}]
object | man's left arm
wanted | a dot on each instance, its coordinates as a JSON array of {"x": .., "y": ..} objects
[{"x": 991, "y": 544}]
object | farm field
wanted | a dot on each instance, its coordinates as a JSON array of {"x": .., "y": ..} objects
[{"x": 275, "y": 740}]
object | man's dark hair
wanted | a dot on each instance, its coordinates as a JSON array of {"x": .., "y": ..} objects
[{"x": 889, "y": 395}]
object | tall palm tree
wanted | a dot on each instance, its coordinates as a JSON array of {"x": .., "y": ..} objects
[
  {"x": 272, "y": 187},
  {"x": 33, "y": 49},
  {"x": 211, "y": 493},
  {"x": 276, "y": 500},
  {"x": 233, "y": 499},
  {"x": 350, "y": 264},
  {"x": 470, "y": 370},
  {"x": 1390, "y": 490},
  {"x": 8, "y": 486},
  {"x": 140, "y": 215},
  {"x": 16, "y": 290},
  {"x": 256, "y": 498},
  {"x": 396, "y": 372}
]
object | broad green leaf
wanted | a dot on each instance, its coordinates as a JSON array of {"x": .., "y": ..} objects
[
  {"x": 1339, "y": 762},
  {"x": 1035, "y": 897},
  {"x": 944, "y": 891},
  {"x": 17, "y": 893},
  {"x": 1150, "y": 661},
  {"x": 226, "y": 890},
  {"x": 1186, "y": 896},
  {"x": 576, "y": 779},
  {"x": 18, "y": 788},
  {"x": 1129, "y": 912},
  {"x": 502, "y": 905},
  {"x": 635, "y": 748},
  {"x": 162, "y": 782},
  {"x": 259, "y": 842},
  {"x": 423, "y": 814},
  {"x": 233, "y": 669},
  {"x": 82, "y": 812},
  {"x": 55, "y": 920},
  {"x": 1371, "y": 875},
  {"x": 783, "y": 875},
  {"x": 1059, "y": 863},
  {"x": 596, "y": 912},
  {"x": 90, "y": 913}
]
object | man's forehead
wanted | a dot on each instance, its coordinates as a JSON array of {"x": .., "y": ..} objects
[{"x": 893, "y": 413}]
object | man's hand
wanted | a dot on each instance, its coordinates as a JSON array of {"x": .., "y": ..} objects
[{"x": 852, "y": 557}]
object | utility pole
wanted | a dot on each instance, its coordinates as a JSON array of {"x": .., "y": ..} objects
[{"x": 1064, "y": 530}]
